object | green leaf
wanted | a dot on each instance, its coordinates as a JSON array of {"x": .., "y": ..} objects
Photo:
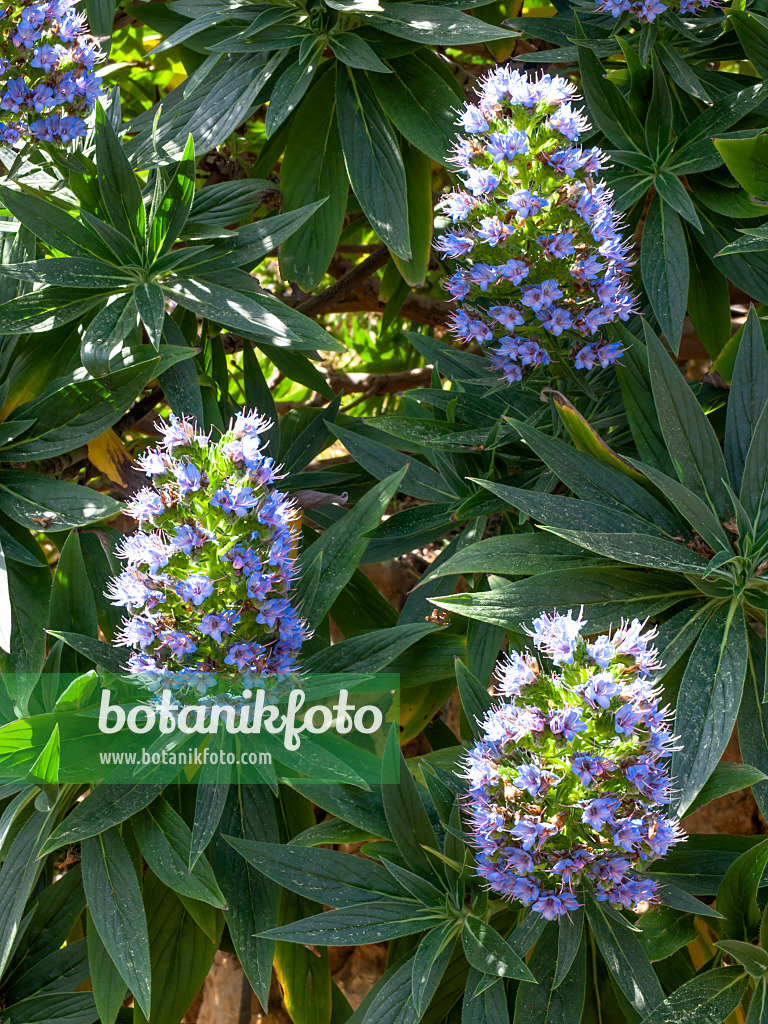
[
  {"x": 747, "y": 401},
  {"x": 118, "y": 187},
  {"x": 96, "y": 650},
  {"x": 373, "y": 160},
  {"x": 357, "y": 925},
  {"x": 29, "y": 588},
  {"x": 313, "y": 169},
  {"x": 104, "y": 807},
  {"x": 379, "y": 460},
  {"x": 624, "y": 956},
  {"x": 69, "y": 272},
  {"x": 106, "y": 331},
  {"x": 747, "y": 160},
  {"x": 252, "y": 899},
  {"x": 663, "y": 931},
  {"x": 150, "y": 303},
  {"x": 708, "y": 299},
  {"x": 421, "y": 104},
  {"x": 166, "y": 845},
  {"x": 525, "y": 554},
  {"x": 551, "y": 1001},
  {"x": 737, "y": 895},
  {"x": 46, "y": 767},
  {"x": 664, "y": 264},
  {"x": 369, "y": 652},
  {"x": 30, "y": 497},
  {"x": 55, "y": 227},
  {"x": 600, "y": 475},
  {"x": 46, "y": 309},
  {"x": 442, "y": 25},
  {"x": 569, "y": 947},
  {"x": 475, "y": 699},
  {"x": 341, "y": 547},
  {"x": 728, "y": 777},
  {"x": 429, "y": 964},
  {"x": 407, "y": 820},
  {"x": 19, "y": 873},
  {"x": 287, "y": 92},
  {"x": 489, "y": 1006},
  {"x": 674, "y": 194},
  {"x": 606, "y": 595},
  {"x": 181, "y": 953},
  {"x": 326, "y": 876},
  {"x": 607, "y": 106},
  {"x": 77, "y": 411},
  {"x": 707, "y": 999},
  {"x": 174, "y": 209},
  {"x": 754, "y": 484},
  {"x": 658, "y": 124},
  {"x": 690, "y": 439},
  {"x": 115, "y": 905},
  {"x": 418, "y": 170},
  {"x": 109, "y": 989},
  {"x": 487, "y": 952},
  {"x": 753, "y": 958},
  {"x": 53, "y": 1008},
  {"x": 268, "y": 319},
  {"x": 708, "y": 701},
  {"x": 353, "y": 51}
]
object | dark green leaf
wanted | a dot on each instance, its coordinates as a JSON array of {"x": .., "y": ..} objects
[
  {"x": 664, "y": 263},
  {"x": 166, "y": 844},
  {"x": 487, "y": 952},
  {"x": 625, "y": 957},
  {"x": 690, "y": 439},
  {"x": 747, "y": 400},
  {"x": 373, "y": 160},
  {"x": 706, "y": 999},
  {"x": 737, "y": 895},
  {"x": 708, "y": 701},
  {"x": 117, "y": 911}
]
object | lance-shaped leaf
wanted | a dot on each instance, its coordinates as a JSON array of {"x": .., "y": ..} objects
[
  {"x": 624, "y": 956},
  {"x": 737, "y": 895},
  {"x": 106, "y": 331},
  {"x": 359, "y": 924},
  {"x": 373, "y": 159},
  {"x": 487, "y": 952},
  {"x": 708, "y": 701},
  {"x": 707, "y": 999},
  {"x": 690, "y": 439},
  {"x": 56, "y": 227},
  {"x": 327, "y": 876},
  {"x": 115, "y": 905},
  {"x": 748, "y": 397}
]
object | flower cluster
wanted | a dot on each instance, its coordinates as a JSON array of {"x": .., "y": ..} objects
[
  {"x": 542, "y": 262},
  {"x": 46, "y": 64},
  {"x": 208, "y": 573},
  {"x": 566, "y": 782},
  {"x": 649, "y": 10}
]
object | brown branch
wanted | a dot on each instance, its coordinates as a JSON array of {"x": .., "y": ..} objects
[
  {"x": 377, "y": 383},
  {"x": 355, "y": 276}
]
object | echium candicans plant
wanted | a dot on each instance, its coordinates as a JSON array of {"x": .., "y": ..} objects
[
  {"x": 115, "y": 261},
  {"x": 47, "y": 80},
  {"x": 568, "y": 780},
  {"x": 683, "y": 535},
  {"x": 543, "y": 266},
  {"x": 208, "y": 574}
]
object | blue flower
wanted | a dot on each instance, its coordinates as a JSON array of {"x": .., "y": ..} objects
[
  {"x": 537, "y": 828},
  {"x": 189, "y": 477},
  {"x": 196, "y": 588},
  {"x": 220, "y": 561}
]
